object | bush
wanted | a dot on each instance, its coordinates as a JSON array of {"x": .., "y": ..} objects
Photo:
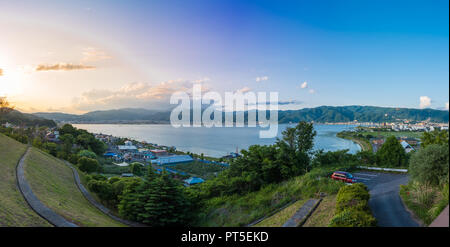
[
  {"x": 354, "y": 196},
  {"x": 87, "y": 153},
  {"x": 352, "y": 207},
  {"x": 353, "y": 218},
  {"x": 88, "y": 165},
  {"x": 430, "y": 165}
]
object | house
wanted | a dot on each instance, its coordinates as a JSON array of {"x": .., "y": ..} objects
[
  {"x": 127, "y": 148},
  {"x": 123, "y": 164},
  {"x": 52, "y": 136},
  {"x": 406, "y": 146},
  {"x": 7, "y": 125},
  {"x": 376, "y": 144},
  {"x": 193, "y": 180},
  {"x": 159, "y": 152},
  {"x": 174, "y": 159},
  {"x": 127, "y": 175}
]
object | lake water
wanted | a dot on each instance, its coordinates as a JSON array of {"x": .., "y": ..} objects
[{"x": 216, "y": 142}]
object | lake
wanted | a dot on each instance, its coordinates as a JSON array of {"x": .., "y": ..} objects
[{"x": 217, "y": 142}]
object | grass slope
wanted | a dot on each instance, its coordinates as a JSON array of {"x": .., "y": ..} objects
[
  {"x": 53, "y": 183},
  {"x": 14, "y": 210},
  {"x": 278, "y": 219},
  {"x": 241, "y": 210},
  {"x": 321, "y": 217}
]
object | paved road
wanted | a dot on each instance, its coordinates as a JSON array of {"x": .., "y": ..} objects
[
  {"x": 385, "y": 201},
  {"x": 96, "y": 204}
]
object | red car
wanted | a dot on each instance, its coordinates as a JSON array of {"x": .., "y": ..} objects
[{"x": 343, "y": 176}]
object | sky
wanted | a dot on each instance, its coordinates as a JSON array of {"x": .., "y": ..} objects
[{"x": 79, "y": 56}]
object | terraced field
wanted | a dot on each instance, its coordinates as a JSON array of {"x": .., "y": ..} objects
[
  {"x": 53, "y": 183},
  {"x": 14, "y": 210}
]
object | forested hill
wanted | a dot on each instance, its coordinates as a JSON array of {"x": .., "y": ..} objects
[
  {"x": 322, "y": 114},
  {"x": 24, "y": 119},
  {"x": 362, "y": 114}
]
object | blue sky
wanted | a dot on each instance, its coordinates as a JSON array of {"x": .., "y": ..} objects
[{"x": 383, "y": 53}]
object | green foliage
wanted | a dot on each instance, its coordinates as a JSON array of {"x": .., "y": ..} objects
[
  {"x": 352, "y": 207},
  {"x": 353, "y": 218},
  {"x": 88, "y": 165},
  {"x": 240, "y": 210},
  {"x": 68, "y": 141},
  {"x": 159, "y": 201},
  {"x": 111, "y": 190},
  {"x": 261, "y": 165},
  {"x": 200, "y": 169},
  {"x": 51, "y": 148},
  {"x": 366, "y": 157},
  {"x": 434, "y": 137},
  {"x": 87, "y": 153},
  {"x": 430, "y": 165},
  {"x": 341, "y": 157},
  {"x": 354, "y": 196},
  {"x": 137, "y": 168},
  {"x": 391, "y": 154}
]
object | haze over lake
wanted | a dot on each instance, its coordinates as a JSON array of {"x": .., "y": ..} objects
[{"x": 217, "y": 142}]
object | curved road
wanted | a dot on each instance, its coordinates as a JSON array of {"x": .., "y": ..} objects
[
  {"x": 96, "y": 204},
  {"x": 385, "y": 201}
]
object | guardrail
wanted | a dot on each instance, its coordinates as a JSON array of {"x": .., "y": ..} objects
[{"x": 383, "y": 169}]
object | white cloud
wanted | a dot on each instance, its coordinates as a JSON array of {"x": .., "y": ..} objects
[
  {"x": 425, "y": 102},
  {"x": 446, "y": 106},
  {"x": 312, "y": 91},
  {"x": 304, "y": 85},
  {"x": 62, "y": 67},
  {"x": 262, "y": 78},
  {"x": 92, "y": 54},
  {"x": 137, "y": 94},
  {"x": 244, "y": 90}
]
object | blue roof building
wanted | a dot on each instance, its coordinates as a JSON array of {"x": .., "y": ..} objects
[{"x": 193, "y": 180}]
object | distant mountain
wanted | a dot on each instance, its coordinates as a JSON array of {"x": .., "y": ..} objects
[
  {"x": 109, "y": 116},
  {"x": 322, "y": 114},
  {"x": 362, "y": 114},
  {"x": 24, "y": 119}
]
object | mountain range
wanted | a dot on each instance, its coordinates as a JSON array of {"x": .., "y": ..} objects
[{"x": 322, "y": 114}]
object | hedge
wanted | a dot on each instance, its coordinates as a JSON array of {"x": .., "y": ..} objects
[{"x": 352, "y": 207}]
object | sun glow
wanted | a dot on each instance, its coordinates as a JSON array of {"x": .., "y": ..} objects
[{"x": 11, "y": 78}]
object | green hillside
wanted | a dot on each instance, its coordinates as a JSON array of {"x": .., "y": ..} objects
[
  {"x": 53, "y": 183},
  {"x": 321, "y": 114},
  {"x": 14, "y": 210}
]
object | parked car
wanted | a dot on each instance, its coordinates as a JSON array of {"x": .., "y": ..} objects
[{"x": 343, "y": 176}]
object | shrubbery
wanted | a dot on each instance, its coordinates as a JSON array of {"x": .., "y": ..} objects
[
  {"x": 88, "y": 165},
  {"x": 352, "y": 207}
]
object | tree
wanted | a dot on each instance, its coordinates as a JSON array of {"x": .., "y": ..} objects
[
  {"x": 67, "y": 140},
  {"x": 88, "y": 165},
  {"x": 51, "y": 148},
  {"x": 159, "y": 201},
  {"x": 87, "y": 153},
  {"x": 434, "y": 137},
  {"x": 295, "y": 148},
  {"x": 68, "y": 129},
  {"x": 391, "y": 154},
  {"x": 5, "y": 106},
  {"x": 366, "y": 157},
  {"x": 430, "y": 164},
  {"x": 136, "y": 168}
]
